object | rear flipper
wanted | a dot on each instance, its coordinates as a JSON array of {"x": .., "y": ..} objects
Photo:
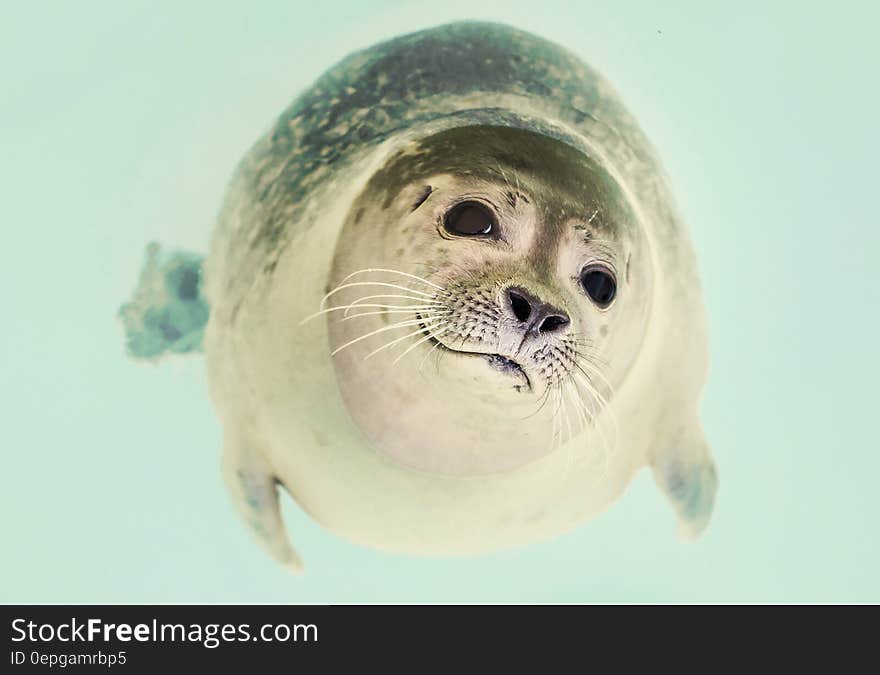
[
  {"x": 168, "y": 312},
  {"x": 686, "y": 473},
  {"x": 254, "y": 491}
]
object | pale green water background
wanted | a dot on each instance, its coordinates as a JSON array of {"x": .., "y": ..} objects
[{"x": 120, "y": 123}]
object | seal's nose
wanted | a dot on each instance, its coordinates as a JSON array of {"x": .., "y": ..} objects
[{"x": 535, "y": 314}]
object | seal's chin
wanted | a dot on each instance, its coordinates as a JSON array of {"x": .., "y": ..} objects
[{"x": 497, "y": 362}]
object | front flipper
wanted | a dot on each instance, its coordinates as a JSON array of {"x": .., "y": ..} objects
[
  {"x": 168, "y": 312},
  {"x": 686, "y": 473},
  {"x": 254, "y": 491}
]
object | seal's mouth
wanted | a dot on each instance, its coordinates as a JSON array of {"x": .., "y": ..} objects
[{"x": 497, "y": 362}]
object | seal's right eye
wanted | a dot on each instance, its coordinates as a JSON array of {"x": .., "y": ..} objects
[{"x": 469, "y": 219}]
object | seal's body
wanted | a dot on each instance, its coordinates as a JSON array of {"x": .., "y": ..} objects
[{"x": 453, "y": 308}]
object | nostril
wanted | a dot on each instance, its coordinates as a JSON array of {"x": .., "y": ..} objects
[
  {"x": 521, "y": 307},
  {"x": 552, "y": 322}
]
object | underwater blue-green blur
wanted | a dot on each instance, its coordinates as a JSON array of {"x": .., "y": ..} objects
[{"x": 120, "y": 123}]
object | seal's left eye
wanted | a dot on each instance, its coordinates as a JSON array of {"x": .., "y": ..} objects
[
  {"x": 470, "y": 218},
  {"x": 599, "y": 283}
]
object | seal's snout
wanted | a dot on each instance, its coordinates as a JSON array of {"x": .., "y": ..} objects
[{"x": 533, "y": 314}]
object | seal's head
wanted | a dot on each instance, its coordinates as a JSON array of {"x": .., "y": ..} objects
[{"x": 489, "y": 292}]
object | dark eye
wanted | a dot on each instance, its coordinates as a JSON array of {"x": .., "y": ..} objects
[
  {"x": 470, "y": 218},
  {"x": 600, "y": 285}
]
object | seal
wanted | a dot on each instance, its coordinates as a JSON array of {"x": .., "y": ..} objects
[{"x": 453, "y": 308}]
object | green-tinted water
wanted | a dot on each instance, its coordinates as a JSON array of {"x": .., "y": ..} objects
[{"x": 120, "y": 124}]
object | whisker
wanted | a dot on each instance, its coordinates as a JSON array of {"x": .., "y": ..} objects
[
  {"x": 565, "y": 414},
  {"x": 390, "y": 271},
  {"x": 408, "y": 310},
  {"x": 503, "y": 175},
  {"x": 414, "y": 298},
  {"x": 384, "y": 307},
  {"x": 583, "y": 413},
  {"x": 552, "y": 425},
  {"x": 596, "y": 370},
  {"x": 428, "y": 336},
  {"x": 568, "y": 449},
  {"x": 542, "y": 401},
  {"x": 373, "y": 283},
  {"x": 399, "y": 324},
  {"x": 608, "y": 448},
  {"x": 400, "y": 339},
  {"x": 602, "y": 400},
  {"x": 587, "y": 417},
  {"x": 557, "y": 433},
  {"x": 425, "y": 358}
]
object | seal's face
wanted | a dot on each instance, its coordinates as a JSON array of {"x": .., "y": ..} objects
[{"x": 490, "y": 291}]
